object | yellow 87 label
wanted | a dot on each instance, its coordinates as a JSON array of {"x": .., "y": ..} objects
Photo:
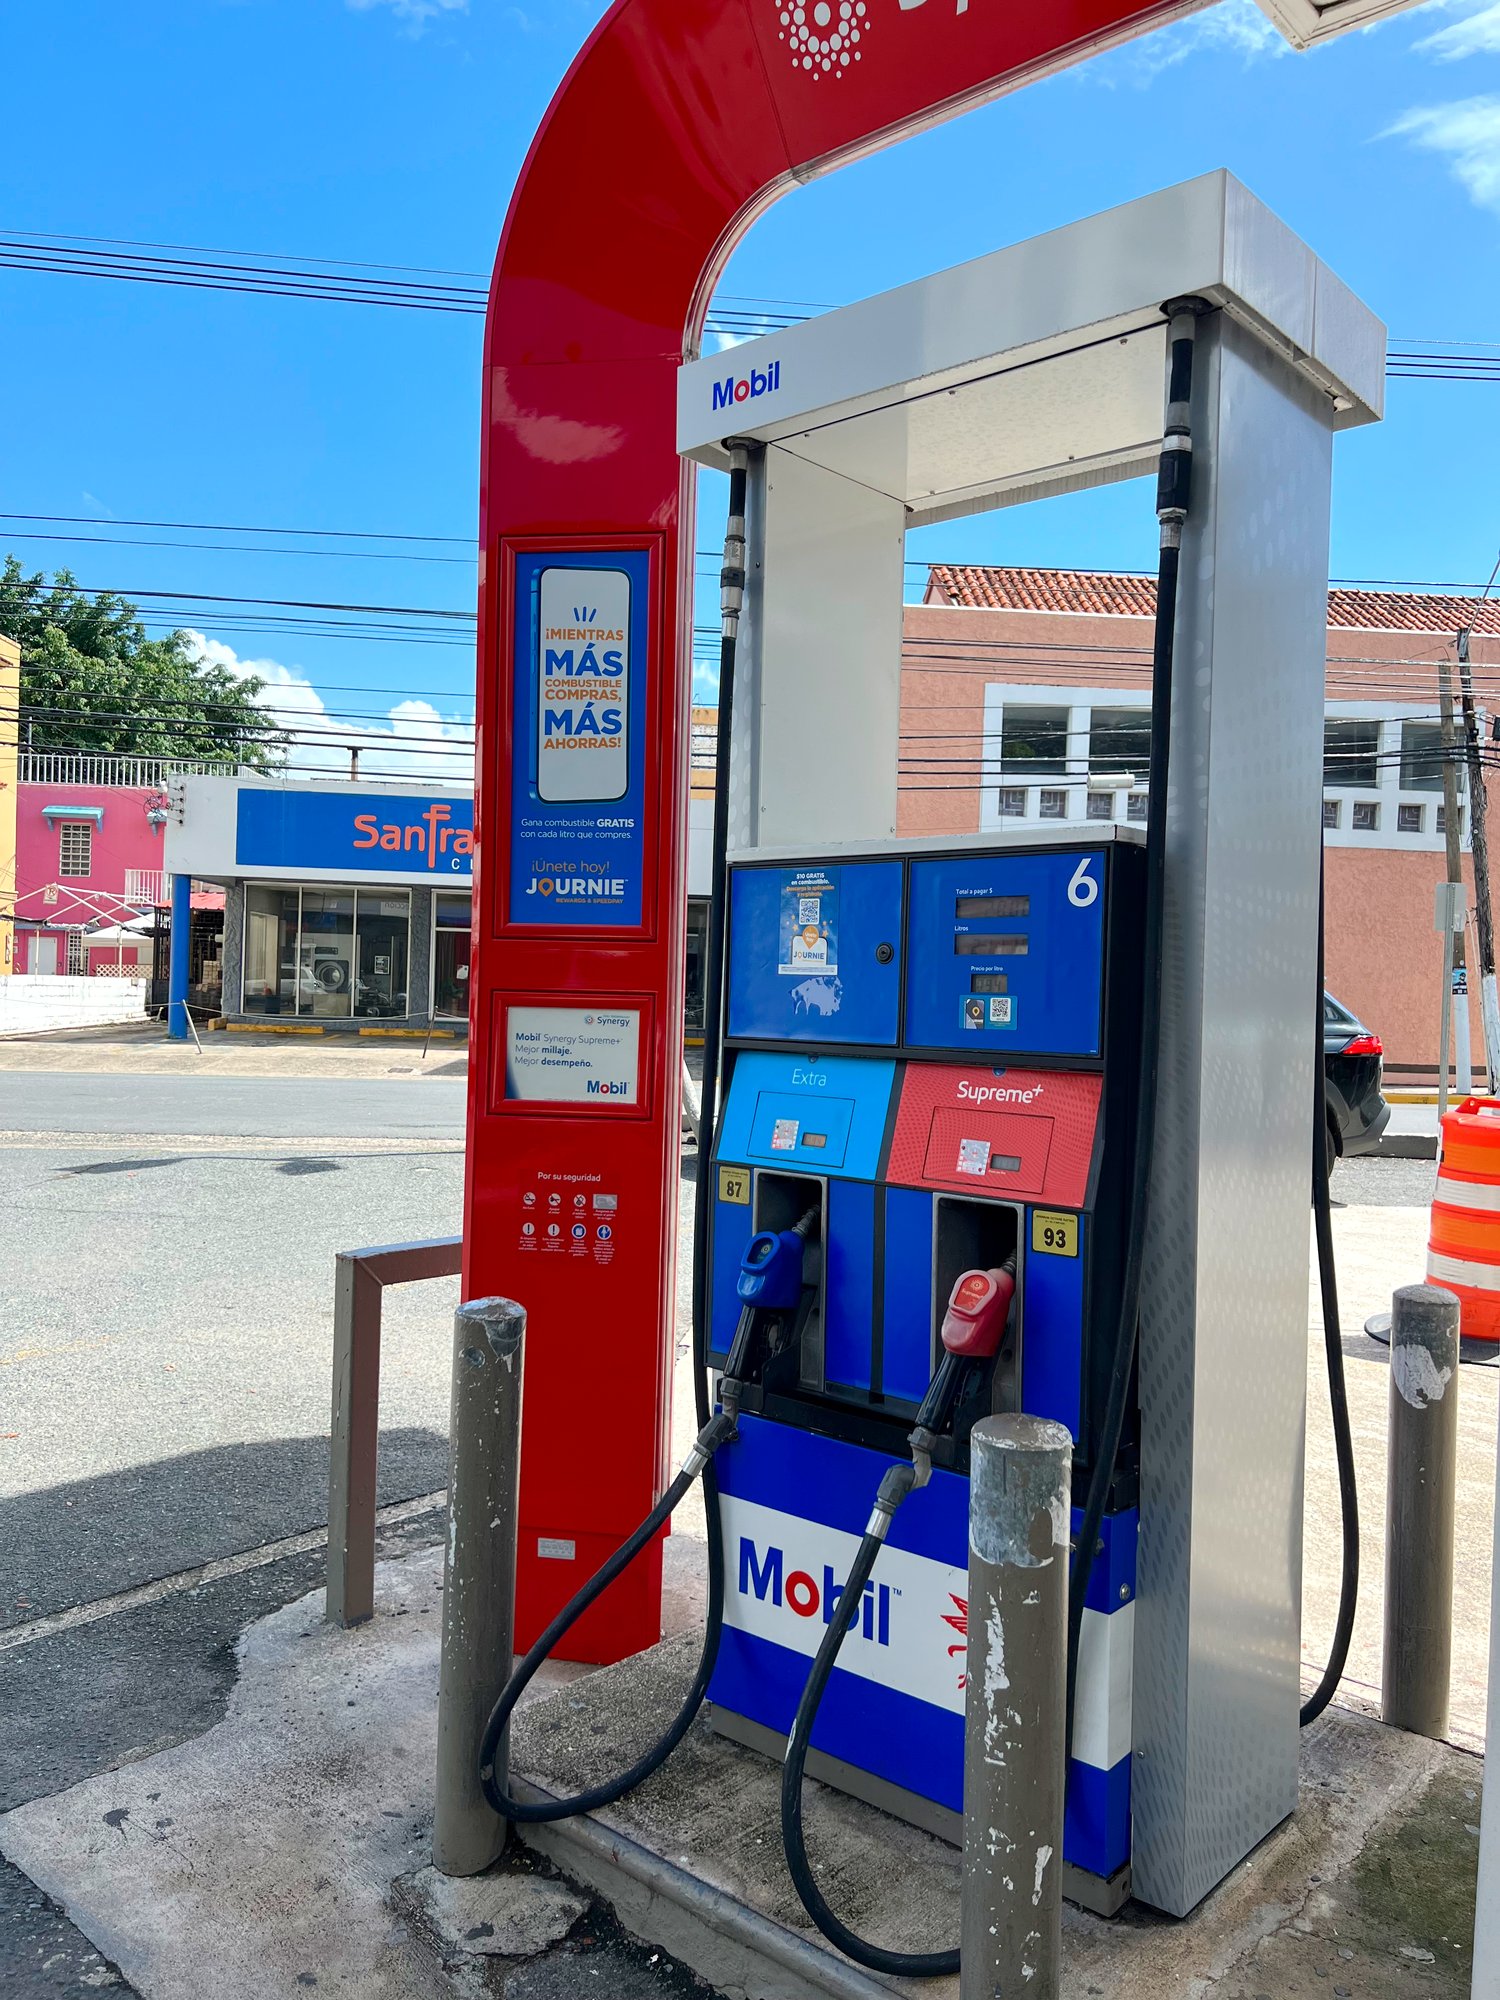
[
  {"x": 734, "y": 1185},
  {"x": 1053, "y": 1233}
]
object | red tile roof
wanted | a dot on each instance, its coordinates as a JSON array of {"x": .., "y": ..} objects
[{"x": 1111, "y": 594}]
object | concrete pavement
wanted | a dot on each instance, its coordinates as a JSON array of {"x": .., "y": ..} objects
[{"x": 233, "y": 1107}]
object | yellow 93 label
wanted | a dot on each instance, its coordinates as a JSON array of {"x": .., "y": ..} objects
[
  {"x": 1054, "y": 1234},
  {"x": 734, "y": 1185}
]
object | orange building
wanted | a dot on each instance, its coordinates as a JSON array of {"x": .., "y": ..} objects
[{"x": 1025, "y": 697}]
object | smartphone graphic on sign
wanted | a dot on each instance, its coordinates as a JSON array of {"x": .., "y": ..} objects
[{"x": 582, "y": 686}]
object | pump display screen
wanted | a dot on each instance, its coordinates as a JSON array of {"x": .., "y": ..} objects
[
  {"x": 988, "y": 982},
  {"x": 988, "y": 944},
  {"x": 992, "y": 906},
  {"x": 815, "y": 1138},
  {"x": 1005, "y": 1163}
]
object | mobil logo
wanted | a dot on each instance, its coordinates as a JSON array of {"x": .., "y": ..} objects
[
  {"x": 764, "y": 1574},
  {"x": 745, "y": 388},
  {"x": 784, "y": 1579}
]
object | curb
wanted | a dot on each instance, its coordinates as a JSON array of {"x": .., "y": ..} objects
[{"x": 1405, "y": 1146}]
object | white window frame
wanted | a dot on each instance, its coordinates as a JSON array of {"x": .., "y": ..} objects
[{"x": 68, "y": 832}]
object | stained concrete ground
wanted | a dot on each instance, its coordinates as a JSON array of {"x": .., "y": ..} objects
[
  {"x": 102, "y": 1706},
  {"x": 144, "y": 1048}
]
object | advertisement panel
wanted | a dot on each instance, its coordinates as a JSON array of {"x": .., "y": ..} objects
[{"x": 578, "y": 747}]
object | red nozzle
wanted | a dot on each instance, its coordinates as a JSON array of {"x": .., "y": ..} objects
[{"x": 978, "y": 1308}]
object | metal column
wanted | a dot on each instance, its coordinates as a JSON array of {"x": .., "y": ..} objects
[
  {"x": 1223, "y": 1357},
  {"x": 1421, "y": 1481},
  {"x": 479, "y": 1575},
  {"x": 177, "y": 964},
  {"x": 1014, "y": 1759}
]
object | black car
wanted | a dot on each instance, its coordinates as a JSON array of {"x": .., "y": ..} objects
[{"x": 1357, "y": 1112}]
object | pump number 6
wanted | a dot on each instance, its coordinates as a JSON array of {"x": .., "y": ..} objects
[{"x": 1083, "y": 889}]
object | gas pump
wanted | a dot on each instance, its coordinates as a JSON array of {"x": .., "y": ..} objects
[{"x": 970, "y": 1151}]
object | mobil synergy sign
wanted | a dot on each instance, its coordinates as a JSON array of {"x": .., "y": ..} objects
[{"x": 344, "y": 833}]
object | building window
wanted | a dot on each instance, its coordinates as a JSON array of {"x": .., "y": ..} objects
[
  {"x": 1365, "y": 817},
  {"x": 1331, "y": 812},
  {"x": 382, "y": 929},
  {"x": 1442, "y": 819},
  {"x": 1408, "y": 819},
  {"x": 1351, "y": 754},
  {"x": 325, "y": 957},
  {"x": 1013, "y": 802},
  {"x": 1120, "y": 742},
  {"x": 75, "y": 848},
  {"x": 1135, "y": 806},
  {"x": 1422, "y": 757},
  {"x": 1101, "y": 805},
  {"x": 452, "y": 941},
  {"x": 697, "y": 960},
  {"x": 269, "y": 985},
  {"x": 77, "y": 957},
  {"x": 1052, "y": 805},
  {"x": 1033, "y": 742}
]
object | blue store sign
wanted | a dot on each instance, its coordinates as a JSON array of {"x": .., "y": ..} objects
[
  {"x": 353, "y": 833},
  {"x": 579, "y": 755}
]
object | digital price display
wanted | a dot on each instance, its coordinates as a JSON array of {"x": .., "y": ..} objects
[
  {"x": 989, "y": 944},
  {"x": 1004, "y": 1163},
  {"x": 815, "y": 1139},
  {"x": 988, "y": 982},
  {"x": 992, "y": 906}
]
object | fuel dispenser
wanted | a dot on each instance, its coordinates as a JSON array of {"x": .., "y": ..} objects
[
  {"x": 1022, "y": 1121},
  {"x": 932, "y": 1059}
]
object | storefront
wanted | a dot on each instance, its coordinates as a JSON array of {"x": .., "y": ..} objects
[{"x": 347, "y": 906}]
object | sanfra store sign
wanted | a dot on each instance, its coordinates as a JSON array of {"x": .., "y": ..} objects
[{"x": 353, "y": 831}]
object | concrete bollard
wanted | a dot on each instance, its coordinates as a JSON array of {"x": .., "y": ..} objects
[
  {"x": 479, "y": 1575},
  {"x": 1020, "y": 1474},
  {"x": 1421, "y": 1477}
]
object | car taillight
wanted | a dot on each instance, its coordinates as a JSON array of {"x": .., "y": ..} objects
[{"x": 1364, "y": 1045}]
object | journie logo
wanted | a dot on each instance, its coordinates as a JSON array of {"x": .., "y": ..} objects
[{"x": 825, "y": 38}]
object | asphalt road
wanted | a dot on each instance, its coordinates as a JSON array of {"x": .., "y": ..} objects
[{"x": 233, "y": 1107}]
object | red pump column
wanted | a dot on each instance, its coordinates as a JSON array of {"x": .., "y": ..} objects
[{"x": 679, "y": 120}]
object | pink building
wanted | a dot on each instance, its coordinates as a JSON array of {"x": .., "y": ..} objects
[
  {"x": 89, "y": 836},
  {"x": 1025, "y": 697}
]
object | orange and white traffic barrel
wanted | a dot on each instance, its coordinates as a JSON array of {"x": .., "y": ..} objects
[{"x": 1463, "y": 1249}]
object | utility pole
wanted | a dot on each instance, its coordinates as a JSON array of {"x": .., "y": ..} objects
[
  {"x": 1457, "y": 1002},
  {"x": 1479, "y": 841}
]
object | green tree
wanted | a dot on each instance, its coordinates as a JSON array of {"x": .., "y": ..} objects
[{"x": 91, "y": 679}]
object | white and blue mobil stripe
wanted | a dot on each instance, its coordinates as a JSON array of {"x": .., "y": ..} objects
[{"x": 793, "y": 1507}]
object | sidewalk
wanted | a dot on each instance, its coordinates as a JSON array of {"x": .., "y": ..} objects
[
  {"x": 286, "y": 1848},
  {"x": 145, "y": 1049}
]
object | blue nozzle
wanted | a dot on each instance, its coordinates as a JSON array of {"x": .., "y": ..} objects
[{"x": 771, "y": 1270}]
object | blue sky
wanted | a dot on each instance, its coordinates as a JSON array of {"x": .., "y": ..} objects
[{"x": 390, "y": 131}]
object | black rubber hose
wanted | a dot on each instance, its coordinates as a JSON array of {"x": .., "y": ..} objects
[
  {"x": 1172, "y": 500},
  {"x": 902, "y": 1964},
  {"x": 519, "y": 1810},
  {"x": 732, "y": 584},
  {"x": 1338, "y": 1392}
]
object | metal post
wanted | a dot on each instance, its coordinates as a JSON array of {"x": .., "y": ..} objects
[
  {"x": 1455, "y": 986},
  {"x": 1448, "y": 920},
  {"x": 1421, "y": 1479},
  {"x": 177, "y": 963},
  {"x": 1486, "y": 1984},
  {"x": 1480, "y": 846},
  {"x": 479, "y": 1574},
  {"x": 1020, "y": 1473}
]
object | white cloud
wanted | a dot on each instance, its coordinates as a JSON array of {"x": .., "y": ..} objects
[
  {"x": 1233, "y": 28},
  {"x": 1475, "y": 35},
  {"x": 1467, "y": 134},
  {"x": 416, "y": 13},
  {"x": 414, "y": 741}
]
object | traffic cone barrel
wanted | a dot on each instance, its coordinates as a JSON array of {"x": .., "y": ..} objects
[{"x": 1463, "y": 1249}]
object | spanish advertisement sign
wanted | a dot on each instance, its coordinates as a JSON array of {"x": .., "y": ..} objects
[
  {"x": 809, "y": 922},
  {"x": 579, "y": 751}
]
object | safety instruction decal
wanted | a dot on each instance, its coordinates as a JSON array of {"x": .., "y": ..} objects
[
  {"x": 784, "y": 1135},
  {"x": 974, "y": 1156},
  {"x": 809, "y": 923},
  {"x": 577, "y": 848}
]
